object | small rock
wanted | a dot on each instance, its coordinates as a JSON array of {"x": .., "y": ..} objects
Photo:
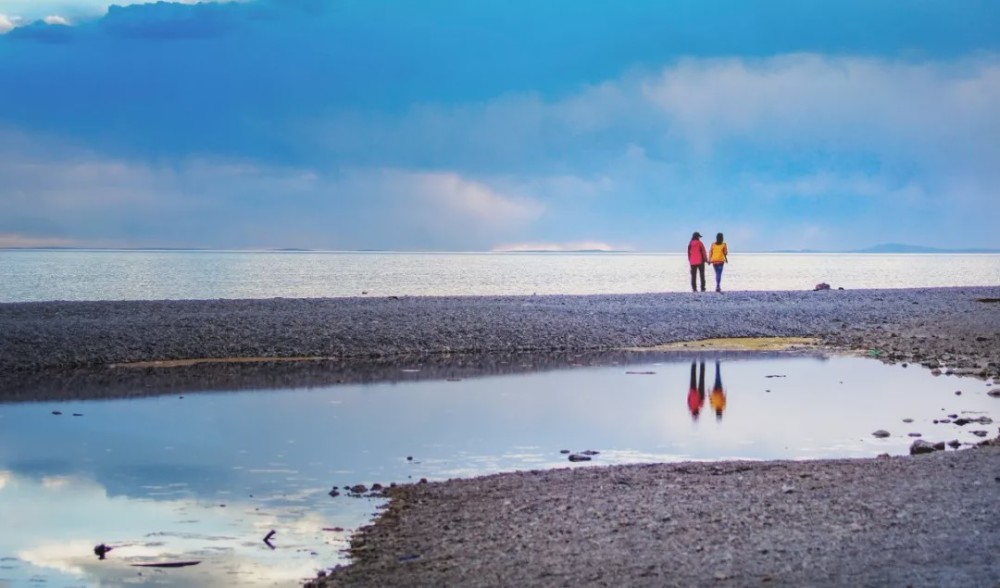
[
  {"x": 881, "y": 434},
  {"x": 578, "y": 457},
  {"x": 422, "y": 481},
  {"x": 979, "y": 433},
  {"x": 958, "y": 392},
  {"x": 939, "y": 446},
  {"x": 564, "y": 451},
  {"x": 935, "y": 372},
  {"x": 954, "y": 444},
  {"x": 788, "y": 488},
  {"x": 334, "y": 492},
  {"x": 409, "y": 458},
  {"x": 920, "y": 446},
  {"x": 590, "y": 452},
  {"x": 995, "y": 393},
  {"x": 376, "y": 487},
  {"x": 907, "y": 420},
  {"x": 359, "y": 489},
  {"x": 962, "y": 422},
  {"x": 983, "y": 420},
  {"x": 56, "y": 412}
]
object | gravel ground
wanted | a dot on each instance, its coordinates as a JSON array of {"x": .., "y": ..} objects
[
  {"x": 948, "y": 325},
  {"x": 927, "y": 520}
]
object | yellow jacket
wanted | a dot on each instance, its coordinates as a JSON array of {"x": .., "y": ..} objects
[{"x": 719, "y": 253}]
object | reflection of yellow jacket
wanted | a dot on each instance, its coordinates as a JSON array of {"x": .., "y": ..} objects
[
  {"x": 718, "y": 400},
  {"x": 718, "y": 253}
]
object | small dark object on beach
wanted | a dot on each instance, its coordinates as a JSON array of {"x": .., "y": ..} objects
[
  {"x": 980, "y": 433},
  {"x": 920, "y": 446},
  {"x": 590, "y": 452},
  {"x": 422, "y": 481},
  {"x": 914, "y": 435},
  {"x": 359, "y": 489},
  {"x": 56, "y": 412},
  {"x": 168, "y": 564},
  {"x": 578, "y": 457},
  {"x": 376, "y": 487},
  {"x": 958, "y": 392},
  {"x": 564, "y": 451},
  {"x": 881, "y": 434},
  {"x": 954, "y": 444},
  {"x": 988, "y": 300},
  {"x": 267, "y": 538},
  {"x": 409, "y": 458},
  {"x": 821, "y": 286},
  {"x": 962, "y": 422},
  {"x": 995, "y": 393},
  {"x": 102, "y": 550},
  {"x": 77, "y": 414},
  {"x": 776, "y": 376},
  {"x": 334, "y": 492}
]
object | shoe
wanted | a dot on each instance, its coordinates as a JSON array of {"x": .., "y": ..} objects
[{"x": 719, "y": 290}]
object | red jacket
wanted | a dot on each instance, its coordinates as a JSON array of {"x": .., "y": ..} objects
[{"x": 696, "y": 252}]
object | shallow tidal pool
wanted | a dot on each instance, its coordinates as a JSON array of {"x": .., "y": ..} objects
[{"x": 205, "y": 477}]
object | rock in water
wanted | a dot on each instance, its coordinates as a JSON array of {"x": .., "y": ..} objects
[{"x": 881, "y": 434}]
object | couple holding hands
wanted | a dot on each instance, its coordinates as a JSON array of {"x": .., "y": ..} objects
[{"x": 718, "y": 256}]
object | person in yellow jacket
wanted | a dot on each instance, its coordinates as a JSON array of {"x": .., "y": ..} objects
[{"x": 718, "y": 256}]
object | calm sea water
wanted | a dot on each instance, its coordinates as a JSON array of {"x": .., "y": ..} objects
[
  {"x": 153, "y": 275},
  {"x": 206, "y": 476}
]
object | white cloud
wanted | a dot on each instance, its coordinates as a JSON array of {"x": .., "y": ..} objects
[
  {"x": 55, "y": 19},
  {"x": 7, "y": 23},
  {"x": 450, "y": 194},
  {"x": 549, "y": 246},
  {"x": 934, "y": 110}
]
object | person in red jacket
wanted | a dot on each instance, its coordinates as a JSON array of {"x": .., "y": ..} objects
[{"x": 697, "y": 257}]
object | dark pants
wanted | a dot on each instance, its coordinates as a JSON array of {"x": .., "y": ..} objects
[
  {"x": 718, "y": 275},
  {"x": 695, "y": 271}
]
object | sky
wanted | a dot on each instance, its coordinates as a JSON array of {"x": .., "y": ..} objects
[{"x": 456, "y": 125}]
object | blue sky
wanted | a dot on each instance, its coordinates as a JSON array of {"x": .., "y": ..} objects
[{"x": 499, "y": 124}]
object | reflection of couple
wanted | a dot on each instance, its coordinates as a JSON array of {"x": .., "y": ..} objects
[{"x": 696, "y": 392}]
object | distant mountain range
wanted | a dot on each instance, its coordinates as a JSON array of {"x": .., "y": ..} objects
[{"x": 881, "y": 248}]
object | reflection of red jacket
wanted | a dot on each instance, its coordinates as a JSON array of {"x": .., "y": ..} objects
[
  {"x": 696, "y": 252},
  {"x": 695, "y": 401}
]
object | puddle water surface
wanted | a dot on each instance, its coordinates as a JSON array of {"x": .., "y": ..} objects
[{"x": 205, "y": 477}]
